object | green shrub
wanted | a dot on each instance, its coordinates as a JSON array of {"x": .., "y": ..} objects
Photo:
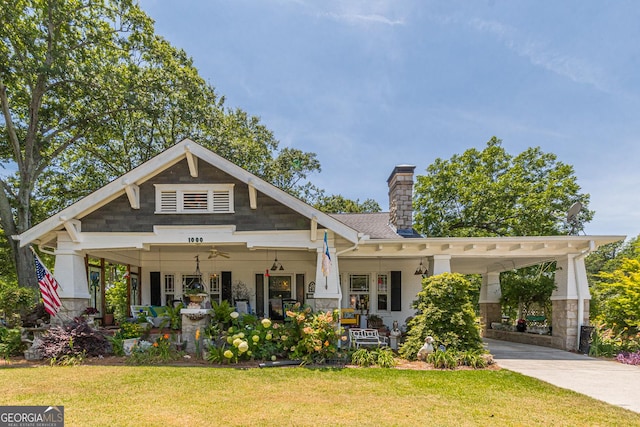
[
  {"x": 10, "y": 342},
  {"x": 445, "y": 312},
  {"x": 379, "y": 356},
  {"x": 447, "y": 359},
  {"x": 15, "y": 301}
]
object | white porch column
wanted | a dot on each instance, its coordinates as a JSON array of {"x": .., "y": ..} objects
[
  {"x": 439, "y": 264},
  {"x": 71, "y": 274},
  {"x": 490, "y": 291},
  {"x": 328, "y": 295}
]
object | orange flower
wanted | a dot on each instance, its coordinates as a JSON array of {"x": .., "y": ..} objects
[
  {"x": 166, "y": 336},
  {"x": 326, "y": 343},
  {"x": 197, "y": 334},
  {"x": 155, "y": 344}
]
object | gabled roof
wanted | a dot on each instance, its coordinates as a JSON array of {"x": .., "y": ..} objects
[{"x": 163, "y": 161}]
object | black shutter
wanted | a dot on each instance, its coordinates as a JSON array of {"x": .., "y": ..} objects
[
  {"x": 396, "y": 291},
  {"x": 300, "y": 288},
  {"x": 226, "y": 287},
  {"x": 259, "y": 308},
  {"x": 156, "y": 293}
]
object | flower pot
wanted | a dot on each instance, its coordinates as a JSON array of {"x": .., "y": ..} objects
[
  {"x": 108, "y": 319},
  {"x": 128, "y": 345}
]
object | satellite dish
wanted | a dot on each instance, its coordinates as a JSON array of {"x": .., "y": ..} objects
[{"x": 572, "y": 218}]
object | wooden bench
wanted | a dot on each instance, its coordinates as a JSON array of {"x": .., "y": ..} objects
[{"x": 366, "y": 337}]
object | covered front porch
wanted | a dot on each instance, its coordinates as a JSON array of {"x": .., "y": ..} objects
[{"x": 269, "y": 270}]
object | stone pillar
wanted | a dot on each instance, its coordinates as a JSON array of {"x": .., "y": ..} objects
[
  {"x": 570, "y": 301},
  {"x": 490, "y": 293},
  {"x": 71, "y": 273},
  {"x": 192, "y": 320}
]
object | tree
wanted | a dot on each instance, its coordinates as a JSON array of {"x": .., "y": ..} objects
[
  {"x": 492, "y": 193},
  {"x": 88, "y": 92},
  {"x": 340, "y": 204},
  {"x": 618, "y": 297},
  {"x": 614, "y": 272},
  {"x": 445, "y": 312}
]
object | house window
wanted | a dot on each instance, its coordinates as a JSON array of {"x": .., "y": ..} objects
[
  {"x": 190, "y": 279},
  {"x": 359, "y": 291},
  {"x": 214, "y": 287},
  {"x": 383, "y": 292},
  {"x": 169, "y": 288},
  {"x": 203, "y": 198}
]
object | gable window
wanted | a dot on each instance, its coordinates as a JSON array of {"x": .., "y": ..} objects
[{"x": 198, "y": 198}]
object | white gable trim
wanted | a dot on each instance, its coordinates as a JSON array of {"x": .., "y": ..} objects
[{"x": 163, "y": 161}]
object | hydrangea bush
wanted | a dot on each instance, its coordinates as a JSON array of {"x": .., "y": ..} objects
[{"x": 305, "y": 336}]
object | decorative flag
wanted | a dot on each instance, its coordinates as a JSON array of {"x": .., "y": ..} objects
[
  {"x": 326, "y": 258},
  {"x": 48, "y": 287}
]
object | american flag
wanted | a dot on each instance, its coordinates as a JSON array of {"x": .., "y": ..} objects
[
  {"x": 48, "y": 287},
  {"x": 326, "y": 258}
]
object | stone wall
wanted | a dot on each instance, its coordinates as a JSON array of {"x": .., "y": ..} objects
[
  {"x": 525, "y": 338},
  {"x": 565, "y": 322}
]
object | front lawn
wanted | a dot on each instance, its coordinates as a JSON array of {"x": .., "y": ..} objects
[{"x": 293, "y": 396}]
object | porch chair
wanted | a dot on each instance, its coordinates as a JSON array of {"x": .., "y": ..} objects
[{"x": 348, "y": 316}]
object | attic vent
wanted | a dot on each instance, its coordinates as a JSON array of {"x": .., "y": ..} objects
[
  {"x": 168, "y": 201},
  {"x": 221, "y": 201},
  {"x": 199, "y": 198}
]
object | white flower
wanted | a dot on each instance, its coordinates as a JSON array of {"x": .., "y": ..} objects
[
  {"x": 266, "y": 323},
  {"x": 234, "y": 315},
  {"x": 243, "y": 347}
]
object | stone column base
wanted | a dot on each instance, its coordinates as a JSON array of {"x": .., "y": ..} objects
[
  {"x": 565, "y": 323},
  {"x": 326, "y": 304},
  {"x": 71, "y": 307},
  {"x": 192, "y": 321},
  {"x": 490, "y": 312}
]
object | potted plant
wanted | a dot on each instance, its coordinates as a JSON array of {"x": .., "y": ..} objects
[
  {"x": 90, "y": 314},
  {"x": 175, "y": 317},
  {"x": 196, "y": 294},
  {"x": 130, "y": 334},
  {"x": 107, "y": 319}
]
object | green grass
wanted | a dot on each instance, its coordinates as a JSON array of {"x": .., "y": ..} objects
[{"x": 209, "y": 396}]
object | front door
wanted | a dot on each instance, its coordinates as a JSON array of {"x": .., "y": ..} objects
[{"x": 279, "y": 290}]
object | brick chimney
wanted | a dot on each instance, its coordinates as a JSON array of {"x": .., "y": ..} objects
[{"x": 401, "y": 199}]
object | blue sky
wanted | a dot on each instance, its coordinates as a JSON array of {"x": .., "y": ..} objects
[{"x": 370, "y": 84}]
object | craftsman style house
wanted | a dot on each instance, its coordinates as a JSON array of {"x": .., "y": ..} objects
[{"x": 189, "y": 214}]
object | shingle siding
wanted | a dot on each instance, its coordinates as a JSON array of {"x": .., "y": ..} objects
[{"x": 118, "y": 216}]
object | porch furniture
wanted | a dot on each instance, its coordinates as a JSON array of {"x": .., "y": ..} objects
[
  {"x": 349, "y": 317},
  {"x": 156, "y": 315},
  {"x": 366, "y": 337}
]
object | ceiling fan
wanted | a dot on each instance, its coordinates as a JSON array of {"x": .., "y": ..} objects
[{"x": 214, "y": 253}]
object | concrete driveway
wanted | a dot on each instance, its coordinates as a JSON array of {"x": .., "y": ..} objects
[{"x": 611, "y": 382}]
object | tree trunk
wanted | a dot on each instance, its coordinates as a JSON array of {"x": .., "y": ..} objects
[{"x": 25, "y": 267}]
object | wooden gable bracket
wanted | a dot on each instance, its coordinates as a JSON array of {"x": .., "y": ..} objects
[
  {"x": 73, "y": 227},
  {"x": 314, "y": 228},
  {"x": 253, "y": 196},
  {"x": 133, "y": 193},
  {"x": 192, "y": 161}
]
